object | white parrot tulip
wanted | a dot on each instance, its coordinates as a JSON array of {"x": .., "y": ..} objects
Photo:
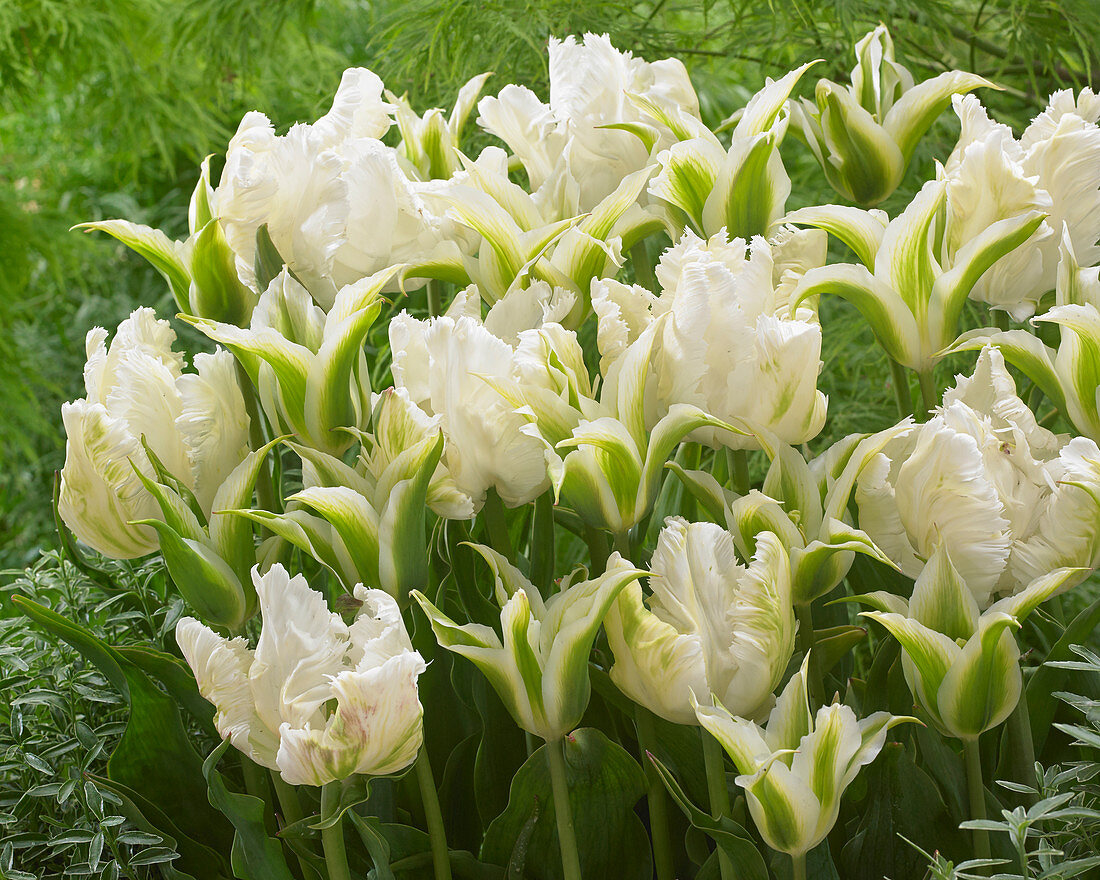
[
  {"x": 138, "y": 396},
  {"x": 317, "y": 699},
  {"x": 712, "y": 625}
]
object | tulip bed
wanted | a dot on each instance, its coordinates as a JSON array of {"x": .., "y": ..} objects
[{"x": 498, "y": 537}]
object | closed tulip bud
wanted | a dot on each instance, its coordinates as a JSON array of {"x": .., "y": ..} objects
[
  {"x": 794, "y": 770},
  {"x": 962, "y": 666},
  {"x": 317, "y": 699},
  {"x": 540, "y": 668},
  {"x": 711, "y": 625},
  {"x": 863, "y": 135},
  {"x": 139, "y": 399}
]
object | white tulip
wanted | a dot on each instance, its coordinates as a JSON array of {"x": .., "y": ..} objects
[
  {"x": 981, "y": 477},
  {"x": 711, "y": 625},
  {"x": 195, "y": 424},
  {"x": 730, "y": 346},
  {"x": 317, "y": 699},
  {"x": 1053, "y": 168}
]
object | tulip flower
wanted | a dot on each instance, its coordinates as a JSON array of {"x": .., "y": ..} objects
[
  {"x": 914, "y": 275},
  {"x": 140, "y": 405},
  {"x": 1053, "y": 168},
  {"x": 743, "y": 189},
  {"x": 976, "y": 478},
  {"x": 730, "y": 344},
  {"x": 863, "y": 135},
  {"x": 794, "y": 770},
  {"x": 448, "y": 366},
  {"x": 366, "y": 523},
  {"x": 308, "y": 366},
  {"x": 429, "y": 142},
  {"x": 962, "y": 664},
  {"x": 1069, "y": 375},
  {"x": 540, "y": 669},
  {"x": 578, "y": 148},
  {"x": 711, "y": 625},
  {"x": 804, "y": 505},
  {"x": 317, "y": 700}
]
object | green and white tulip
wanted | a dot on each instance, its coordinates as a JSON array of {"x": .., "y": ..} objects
[
  {"x": 318, "y": 699},
  {"x": 794, "y": 770},
  {"x": 863, "y": 135},
  {"x": 711, "y": 624},
  {"x": 540, "y": 668},
  {"x": 140, "y": 405},
  {"x": 979, "y": 477},
  {"x": 962, "y": 665}
]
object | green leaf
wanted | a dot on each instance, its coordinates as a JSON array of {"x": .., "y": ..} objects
[
  {"x": 155, "y": 246},
  {"x": 604, "y": 784},
  {"x": 727, "y": 834},
  {"x": 255, "y": 855}
]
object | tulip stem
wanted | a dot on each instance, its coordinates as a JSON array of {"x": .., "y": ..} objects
[
  {"x": 291, "y": 806},
  {"x": 332, "y": 838},
  {"x": 435, "y": 299},
  {"x": 655, "y": 797},
  {"x": 265, "y": 488},
  {"x": 441, "y": 860},
  {"x": 714, "y": 760},
  {"x": 929, "y": 397},
  {"x": 902, "y": 395},
  {"x": 1001, "y": 319},
  {"x": 643, "y": 270},
  {"x": 798, "y": 867},
  {"x": 808, "y": 639},
  {"x": 567, "y": 839},
  {"x": 976, "y": 789},
  {"x": 497, "y": 526},
  {"x": 739, "y": 470}
]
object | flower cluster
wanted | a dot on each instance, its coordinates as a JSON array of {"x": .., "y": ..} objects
[{"x": 579, "y": 414}]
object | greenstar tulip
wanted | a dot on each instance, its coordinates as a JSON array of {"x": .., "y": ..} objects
[
  {"x": 711, "y": 625},
  {"x": 804, "y": 505},
  {"x": 914, "y": 277},
  {"x": 430, "y": 142},
  {"x": 863, "y": 135},
  {"x": 1069, "y": 375},
  {"x": 309, "y": 366},
  {"x": 742, "y": 189},
  {"x": 540, "y": 668},
  {"x": 962, "y": 666},
  {"x": 795, "y": 769}
]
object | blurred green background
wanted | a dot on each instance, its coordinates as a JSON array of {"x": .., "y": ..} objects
[{"x": 108, "y": 106}]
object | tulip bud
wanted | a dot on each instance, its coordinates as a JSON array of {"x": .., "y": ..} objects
[
  {"x": 963, "y": 668},
  {"x": 317, "y": 700},
  {"x": 795, "y": 769},
  {"x": 540, "y": 669}
]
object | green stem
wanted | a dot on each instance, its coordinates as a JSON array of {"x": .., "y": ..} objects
[
  {"x": 1023, "y": 756},
  {"x": 541, "y": 549},
  {"x": 928, "y": 395},
  {"x": 332, "y": 838},
  {"x": 655, "y": 796},
  {"x": 714, "y": 760},
  {"x": 976, "y": 789},
  {"x": 567, "y": 839},
  {"x": 798, "y": 867},
  {"x": 497, "y": 526},
  {"x": 739, "y": 470},
  {"x": 265, "y": 489},
  {"x": 1001, "y": 319},
  {"x": 643, "y": 271},
  {"x": 901, "y": 388},
  {"x": 597, "y": 549},
  {"x": 807, "y": 639},
  {"x": 435, "y": 297},
  {"x": 441, "y": 859},
  {"x": 255, "y": 783},
  {"x": 291, "y": 806}
]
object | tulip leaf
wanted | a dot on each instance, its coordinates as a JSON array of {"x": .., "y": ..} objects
[
  {"x": 834, "y": 643},
  {"x": 604, "y": 784},
  {"x": 155, "y": 756},
  {"x": 726, "y": 834},
  {"x": 155, "y": 246},
  {"x": 255, "y": 855}
]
